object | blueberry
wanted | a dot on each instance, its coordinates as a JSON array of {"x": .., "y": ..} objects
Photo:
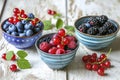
[
  {"x": 36, "y": 29},
  {"x": 7, "y": 23},
  {"x": 14, "y": 33},
  {"x": 21, "y": 34},
  {"x": 12, "y": 28},
  {"x": 40, "y": 24},
  {"x": 20, "y": 30},
  {"x": 8, "y": 32},
  {"x": 31, "y": 16},
  {"x": 5, "y": 27},
  {"x": 24, "y": 21},
  {"x": 28, "y": 26},
  {"x": 19, "y": 25},
  {"x": 29, "y": 32}
]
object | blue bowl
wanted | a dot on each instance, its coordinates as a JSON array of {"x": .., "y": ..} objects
[
  {"x": 21, "y": 42},
  {"x": 55, "y": 61},
  {"x": 94, "y": 42}
]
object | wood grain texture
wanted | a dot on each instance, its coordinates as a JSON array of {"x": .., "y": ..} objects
[{"x": 76, "y": 70}]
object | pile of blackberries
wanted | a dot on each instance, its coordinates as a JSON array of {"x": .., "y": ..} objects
[{"x": 97, "y": 25}]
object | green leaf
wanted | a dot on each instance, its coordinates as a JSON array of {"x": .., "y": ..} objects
[
  {"x": 69, "y": 28},
  {"x": 59, "y": 23},
  {"x": 23, "y": 64},
  {"x": 47, "y": 24},
  {"x": 9, "y": 55},
  {"x": 21, "y": 54},
  {"x": 57, "y": 15}
]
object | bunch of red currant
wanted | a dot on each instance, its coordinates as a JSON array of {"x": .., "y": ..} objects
[
  {"x": 19, "y": 15},
  {"x": 99, "y": 64},
  {"x": 13, "y": 67},
  {"x": 51, "y": 12}
]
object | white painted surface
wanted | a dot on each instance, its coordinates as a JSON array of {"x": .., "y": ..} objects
[{"x": 76, "y": 70}]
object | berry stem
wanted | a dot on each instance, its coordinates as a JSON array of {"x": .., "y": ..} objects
[{"x": 104, "y": 58}]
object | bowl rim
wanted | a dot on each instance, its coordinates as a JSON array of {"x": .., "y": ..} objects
[
  {"x": 19, "y": 36},
  {"x": 54, "y": 54},
  {"x": 96, "y": 36}
]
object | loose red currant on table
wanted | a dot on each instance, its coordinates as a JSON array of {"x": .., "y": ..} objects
[
  {"x": 13, "y": 67},
  {"x": 49, "y": 11},
  {"x": 107, "y": 64},
  {"x": 88, "y": 66},
  {"x": 13, "y": 58},
  {"x": 102, "y": 56},
  {"x": 85, "y": 59},
  {"x": 100, "y": 71},
  {"x": 53, "y": 12},
  {"x": 4, "y": 56},
  {"x": 61, "y": 32},
  {"x": 95, "y": 67}
]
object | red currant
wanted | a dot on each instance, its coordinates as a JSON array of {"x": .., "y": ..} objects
[
  {"x": 99, "y": 60},
  {"x": 65, "y": 41},
  {"x": 56, "y": 41},
  {"x": 103, "y": 56},
  {"x": 15, "y": 20},
  {"x": 11, "y": 20},
  {"x": 22, "y": 12},
  {"x": 13, "y": 67},
  {"x": 13, "y": 58},
  {"x": 88, "y": 66},
  {"x": 61, "y": 32},
  {"x": 103, "y": 65},
  {"x": 107, "y": 64},
  {"x": 33, "y": 23},
  {"x": 100, "y": 71},
  {"x": 52, "y": 50},
  {"x": 24, "y": 16},
  {"x": 49, "y": 11},
  {"x": 60, "y": 46},
  {"x": 95, "y": 67},
  {"x": 53, "y": 12},
  {"x": 36, "y": 20},
  {"x": 85, "y": 59},
  {"x": 16, "y": 10},
  {"x": 56, "y": 36},
  {"x": 4, "y": 56},
  {"x": 92, "y": 59},
  {"x": 94, "y": 55},
  {"x": 60, "y": 51}
]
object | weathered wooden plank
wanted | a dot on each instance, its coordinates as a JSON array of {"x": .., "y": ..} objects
[{"x": 39, "y": 70}]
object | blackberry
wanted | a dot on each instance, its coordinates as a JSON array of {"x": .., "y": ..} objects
[
  {"x": 83, "y": 28},
  {"x": 92, "y": 31},
  {"x": 102, "y": 30},
  {"x": 93, "y": 21},
  {"x": 102, "y": 19},
  {"x": 108, "y": 25}
]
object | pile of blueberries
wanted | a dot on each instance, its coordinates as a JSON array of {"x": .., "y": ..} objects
[
  {"x": 22, "y": 24},
  {"x": 97, "y": 25}
]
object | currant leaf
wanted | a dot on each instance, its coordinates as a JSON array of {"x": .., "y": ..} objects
[
  {"x": 59, "y": 23},
  {"x": 23, "y": 64},
  {"x": 9, "y": 55},
  {"x": 21, "y": 54},
  {"x": 47, "y": 24}
]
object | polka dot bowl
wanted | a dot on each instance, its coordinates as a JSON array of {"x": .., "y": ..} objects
[
  {"x": 94, "y": 42},
  {"x": 21, "y": 42}
]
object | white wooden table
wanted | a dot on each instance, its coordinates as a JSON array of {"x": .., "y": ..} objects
[{"x": 76, "y": 70}]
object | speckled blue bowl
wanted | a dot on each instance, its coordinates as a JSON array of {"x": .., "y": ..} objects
[
  {"x": 55, "y": 61},
  {"x": 21, "y": 42},
  {"x": 92, "y": 41}
]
